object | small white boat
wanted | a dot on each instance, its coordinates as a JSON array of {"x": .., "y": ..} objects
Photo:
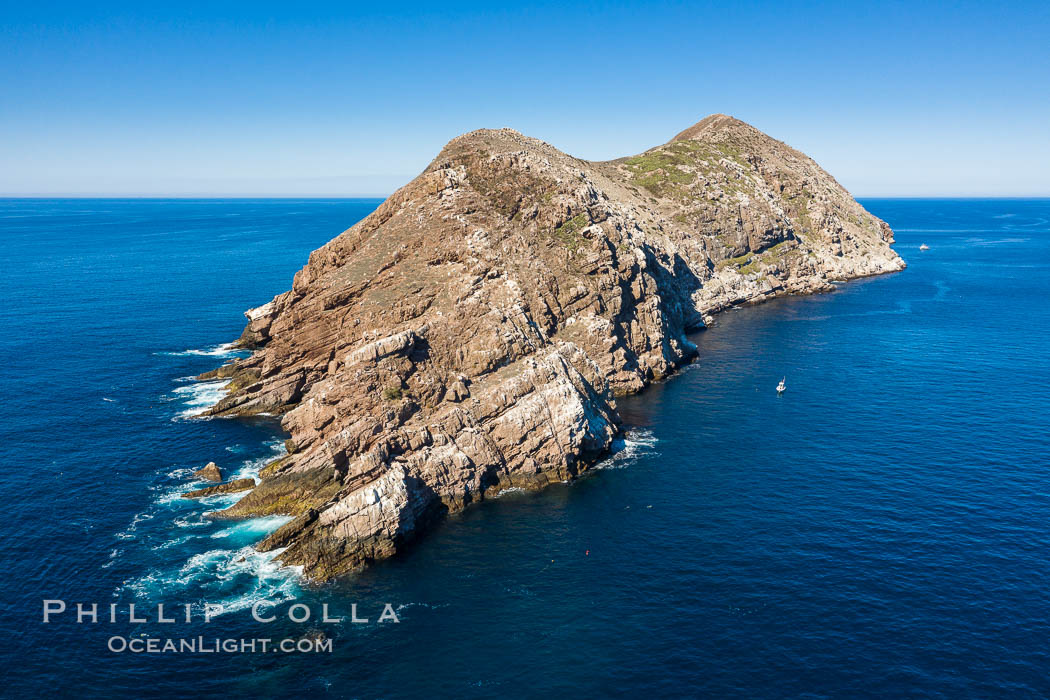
[
  {"x": 924, "y": 247},
  {"x": 781, "y": 386}
]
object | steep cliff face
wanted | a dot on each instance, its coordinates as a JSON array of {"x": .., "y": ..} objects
[{"x": 470, "y": 335}]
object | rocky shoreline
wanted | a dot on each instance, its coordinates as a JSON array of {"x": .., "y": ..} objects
[{"x": 472, "y": 333}]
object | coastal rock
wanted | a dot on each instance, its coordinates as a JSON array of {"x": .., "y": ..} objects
[
  {"x": 257, "y": 331},
  {"x": 229, "y": 487},
  {"x": 470, "y": 335},
  {"x": 209, "y": 472}
]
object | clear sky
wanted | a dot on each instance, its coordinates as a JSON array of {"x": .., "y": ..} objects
[{"x": 312, "y": 98}]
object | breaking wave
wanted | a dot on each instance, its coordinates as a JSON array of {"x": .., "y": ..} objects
[
  {"x": 233, "y": 578},
  {"x": 229, "y": 572},
  {"x": 199, "y": 396},
  {"x": 223, "y": 350},
  {"x": 626, "y": 450},
  {"x": 253, "y": 529}
]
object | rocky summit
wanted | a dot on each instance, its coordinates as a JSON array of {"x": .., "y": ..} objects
[{"x": 472, "y": 333}]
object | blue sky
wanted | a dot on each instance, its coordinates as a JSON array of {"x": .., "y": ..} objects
[{"x": 344, "y": 99}]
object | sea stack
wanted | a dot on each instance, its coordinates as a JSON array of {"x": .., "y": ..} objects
[
  {"x": 472, "y": 333},
  {"x": 209, "y": 472}
]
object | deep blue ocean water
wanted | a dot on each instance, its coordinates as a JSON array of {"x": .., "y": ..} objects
[{"x": 880, "y": 530}]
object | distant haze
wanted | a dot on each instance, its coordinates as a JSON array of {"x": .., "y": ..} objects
[{"x": 306, "y": 99}]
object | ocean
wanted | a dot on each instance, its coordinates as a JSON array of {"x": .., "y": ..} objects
[{"x": 881, "y": 529}]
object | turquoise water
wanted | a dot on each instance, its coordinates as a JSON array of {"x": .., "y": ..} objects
[{"x": 881, "y": 529}]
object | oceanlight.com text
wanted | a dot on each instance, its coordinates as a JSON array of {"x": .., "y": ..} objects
[{"x": 202, "y": 645}]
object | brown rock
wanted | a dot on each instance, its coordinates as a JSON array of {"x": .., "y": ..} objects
[
  {"x": 471, "y": 333},
  {"x": 229, "y": 487},
  {"x": 209, "y": 472}
]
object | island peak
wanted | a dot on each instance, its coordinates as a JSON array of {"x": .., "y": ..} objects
[{"x": 711, "y": 124}]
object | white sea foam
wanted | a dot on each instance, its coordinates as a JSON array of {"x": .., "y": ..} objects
[
  {"x": 196, "y": 520},
  {"x": 200, "y": 396},
  {"x": 218, "y": 575},
  {"x": 173, "y": 497},
  {"x": 173, "y": 542},
  {"x": 249, "y": 469},
  {"x": 274, "y": 583},
  {"x": 223, "y": 350},
  {"x": 112, "y": 558},
  {"x": 129, "y": 532},
  {"x": 256, "y": 527},
  {"x": 638, "y": 442},
  {"x": 216, "y": 571}
]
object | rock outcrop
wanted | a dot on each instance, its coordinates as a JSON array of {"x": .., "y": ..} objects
[
  {"x": 229, "y": 487},
  {"x": 471, "y": 334},
  {"x": 209, "y": 472}
]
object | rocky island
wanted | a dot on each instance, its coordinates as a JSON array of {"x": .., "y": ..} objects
[{"x": 472, "y": 333}]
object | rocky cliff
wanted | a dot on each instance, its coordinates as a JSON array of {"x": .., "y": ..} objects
[{"x": 471, "y": 334}]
